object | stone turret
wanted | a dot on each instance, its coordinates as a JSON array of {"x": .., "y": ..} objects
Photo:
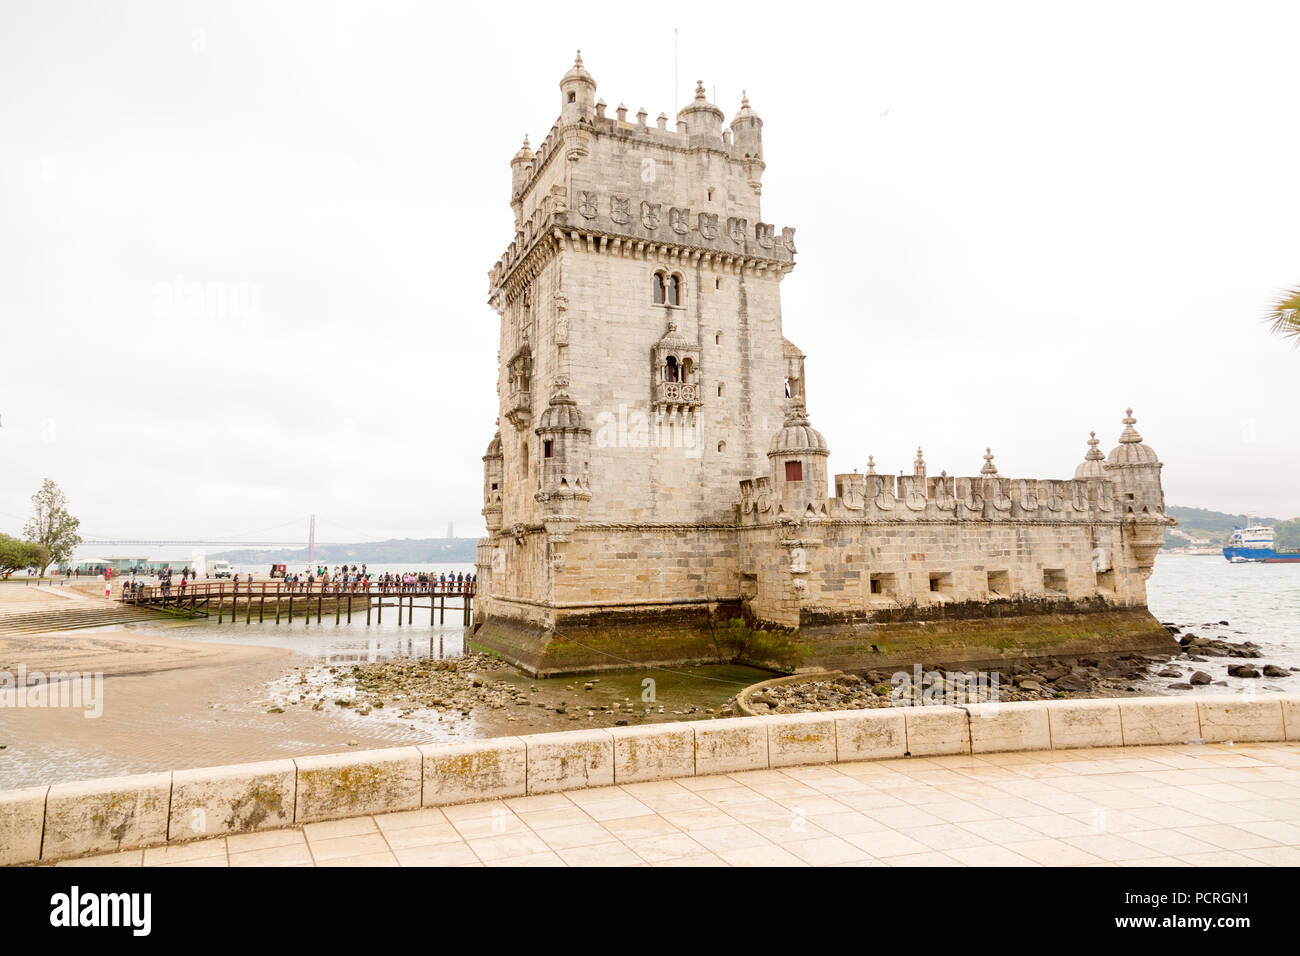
[
  {"x": 1135, "y": 469},
  {"x": 493, "y": 483},
  {"x": 798, "y": 456},
  {"x": 702, "y": 119},
  {"x": 520, "y": 167},
  {"x": 565, "y": 445},
  {"x": 1094, "y": 462},
  {"x": 747, "y": 141},
  {"x": 577, "y": 94}
]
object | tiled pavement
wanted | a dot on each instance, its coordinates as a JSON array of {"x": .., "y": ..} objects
[{"x": 1219, "y": 805}]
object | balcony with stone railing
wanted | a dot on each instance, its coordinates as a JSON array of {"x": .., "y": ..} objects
[{"x": 670, "y": 395}]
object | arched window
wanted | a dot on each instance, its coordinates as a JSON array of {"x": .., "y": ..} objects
[
  {"x": 674, "y": 290},
  {"x": 670, "y": 369},
  {"x": 657, "y": 284}
]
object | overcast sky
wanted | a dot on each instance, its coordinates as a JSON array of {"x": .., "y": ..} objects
[{"x": 243, "y": 247}]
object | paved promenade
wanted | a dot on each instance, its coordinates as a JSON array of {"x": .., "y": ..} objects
[{"x": 1186, "y": 805}]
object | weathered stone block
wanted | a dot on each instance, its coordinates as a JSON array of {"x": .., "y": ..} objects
[
  {"x": 1149, "y": 721},
  {"x": 1240, "y": 719},
  {"x": 657, "y": 752},
  {"x": 794, "y": 739},
  {"x": 103, "y": 816},
  {"x": 1084, "y": 723},
  {"x": 569, "y": 760},
  {"x": 349, "y": 785},
  {"x": 22, "y": 820},
  {"x": 476, "y": 770},
  {"x": 239, "y": 799},
  {"x": 875, "y": 734},
  {"x": 938, "y": 729},
  {"x": 1017, "y": 725},
  {"x": 730, "y": 744}
]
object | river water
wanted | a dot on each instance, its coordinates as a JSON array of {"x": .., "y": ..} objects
[{"x": 1260, "y": 602}]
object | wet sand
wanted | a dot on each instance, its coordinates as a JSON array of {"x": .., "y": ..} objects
[{"x": 167, "y": 705}]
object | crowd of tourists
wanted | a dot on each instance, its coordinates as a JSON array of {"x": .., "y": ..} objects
[{"x": 351, "y": 578}]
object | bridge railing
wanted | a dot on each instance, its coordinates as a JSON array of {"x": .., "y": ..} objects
[{"x": 150, "y": 593}]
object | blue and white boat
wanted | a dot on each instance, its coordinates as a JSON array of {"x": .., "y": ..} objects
[{"x": 1255, "y": 545}]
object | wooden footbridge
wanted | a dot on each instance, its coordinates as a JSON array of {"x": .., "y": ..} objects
[{"x": 283, "y": 599}]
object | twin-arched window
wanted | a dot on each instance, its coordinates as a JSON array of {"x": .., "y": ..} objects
[
  {"x": 679, "y": 372},
  {"x": 667, "y": 289}
]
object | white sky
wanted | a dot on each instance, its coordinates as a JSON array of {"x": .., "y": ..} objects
[{"x": 1013, "y": 221}]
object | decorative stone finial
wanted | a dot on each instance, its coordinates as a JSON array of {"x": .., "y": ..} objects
[
  {"x": 525, "y": 146},
  {"x": 577, "y": 60},
  {"x": 989, "y": 468},
  {"x": 744, "y": 100},
  {"x": 1094, "y": 453},
  {"x": 699, "y": 89},
  {"x": 871, "y": 465},
  {"x": 1130, "y": 435}
]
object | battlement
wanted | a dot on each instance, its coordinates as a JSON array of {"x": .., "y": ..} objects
[
  {"x": 631, "y": 226},
  {"x": 872, "y": 497}
]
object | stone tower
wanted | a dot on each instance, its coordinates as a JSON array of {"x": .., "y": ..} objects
[
  {"x": 656, "y": 473},
  {"x": 642, "y": 374}
]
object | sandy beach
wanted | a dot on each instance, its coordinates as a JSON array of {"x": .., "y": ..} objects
[{"x": 167, "y": 704}]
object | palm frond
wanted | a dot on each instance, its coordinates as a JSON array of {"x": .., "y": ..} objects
[{"x": 1284, "y": 317}]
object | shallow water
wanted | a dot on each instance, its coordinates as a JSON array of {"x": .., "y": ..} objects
[{"x": 1260, "y": 602}]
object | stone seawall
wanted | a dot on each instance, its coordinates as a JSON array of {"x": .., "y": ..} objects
[
  {"x": 970, "y": 633},
  {"x": 596, "y": 639},
  {"x": 956, "y": 638},
  {"x": 66, "y": 821}
]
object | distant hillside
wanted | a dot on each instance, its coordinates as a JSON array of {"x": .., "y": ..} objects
[
  {"x": 1216, "y": 525},
  {"x": 393, "y": 551}
]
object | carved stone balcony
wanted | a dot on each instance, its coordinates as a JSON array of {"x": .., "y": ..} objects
[
  {"x": 519, "y": 408},
  {"x": 669, "y": 395}
]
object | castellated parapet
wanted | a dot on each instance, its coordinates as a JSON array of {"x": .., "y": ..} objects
[{"x": 656, "y": 472}]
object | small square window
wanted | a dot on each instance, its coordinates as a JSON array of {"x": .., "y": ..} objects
[
  {"x": 794, "y": 471},
  {"x": 999, "y": 584},
  {"x": 573, "y": 97},
  {"x": 548, "y": 449}
]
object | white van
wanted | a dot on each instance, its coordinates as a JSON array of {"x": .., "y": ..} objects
[{"x": 220, "y": 569}]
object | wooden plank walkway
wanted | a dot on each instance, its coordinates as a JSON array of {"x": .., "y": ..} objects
[{"x": 280, "y": 599}]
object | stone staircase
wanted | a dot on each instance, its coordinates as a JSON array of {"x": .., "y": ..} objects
[{"x": 56, "y": 610}]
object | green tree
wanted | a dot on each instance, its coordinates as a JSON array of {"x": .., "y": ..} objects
[
  {"x": 1286, "y": 535},
  {"x": 16, "y": 554},
  {"x": 51, "y": 526},
  {"x": 1284, "y": 317}
]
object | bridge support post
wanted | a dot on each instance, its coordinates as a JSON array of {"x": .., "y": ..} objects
[{"x": 221, "y": 602}]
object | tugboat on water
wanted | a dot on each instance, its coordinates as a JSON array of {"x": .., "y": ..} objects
[{"x": 1254, "y": 545}]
